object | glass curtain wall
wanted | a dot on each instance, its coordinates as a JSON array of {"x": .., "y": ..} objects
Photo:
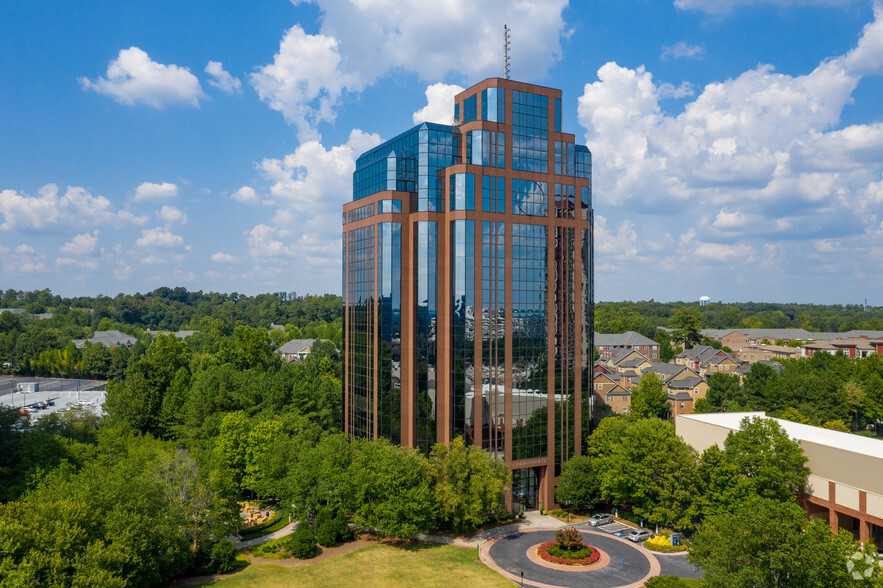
[
  {"x": 588, "y": 331},
  {"x": 530, "y": 132},
  {"x": 565, "y": 344},
  {"x": 463, "y": 327},
  {"x": 360, "y": 315},
  {"x": 389, "y": 277},
  {"x": 493, "y": 336},
  {"x": 530, "y": 413},
  {"x": 426, "y": 287}
]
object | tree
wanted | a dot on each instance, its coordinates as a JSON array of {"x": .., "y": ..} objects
[
  {"x": 771, "y": 464},
  {"x": 685, "y": 325},
  {"x": 720, "y": 482},
  {"x": 649, "y": 398},
  {"x": 578, "y": 484},
  {"x": 302, "y": 543},
  {"x": 761, "y": 386},
  {"x": 392, "y": 489},
  {"x": 724, "y": 392},
  {"x": 769, "y": 543},
  {"x": 666, "y": 351},
  {"x": 469, "y": 484},
  {"x": 648, "y": 467}
]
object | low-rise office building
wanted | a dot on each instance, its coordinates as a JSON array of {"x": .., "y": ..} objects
[{"x": 845, "y": 484}]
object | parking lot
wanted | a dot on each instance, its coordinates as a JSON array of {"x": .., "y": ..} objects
[{"x": 63, "y": 394}]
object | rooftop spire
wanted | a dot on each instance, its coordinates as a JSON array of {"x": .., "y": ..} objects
[{"x": 506, "y": 50}]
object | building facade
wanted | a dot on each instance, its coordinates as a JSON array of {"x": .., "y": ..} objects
[{"x": 467, "y": 280}]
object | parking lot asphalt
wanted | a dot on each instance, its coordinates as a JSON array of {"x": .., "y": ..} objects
[
  {"x": 65, "y": 393},
  {"x": 672, "y": 564},
  {"x": 629, "y": 564}
]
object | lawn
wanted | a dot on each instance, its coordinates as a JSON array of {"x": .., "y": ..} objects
[{"x": 420, "y": 564}]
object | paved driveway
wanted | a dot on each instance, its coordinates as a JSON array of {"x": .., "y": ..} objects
[{"x": 629, "y": 564}]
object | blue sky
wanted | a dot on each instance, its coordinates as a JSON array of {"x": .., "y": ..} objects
[{"x": 738, "y": 144}]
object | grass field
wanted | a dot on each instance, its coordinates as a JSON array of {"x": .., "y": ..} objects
[{"x": 421, "y": 564}]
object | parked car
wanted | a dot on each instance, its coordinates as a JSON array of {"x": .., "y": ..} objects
[
  {"x": 601, "y": 518},
  {"x": 638, "y": 535}
]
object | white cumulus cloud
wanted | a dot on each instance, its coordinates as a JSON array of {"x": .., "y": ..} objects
[
  {"x": 756, "y": 169},
  {"x": 682, "y": 50},
  {"x": 170, "y": 214},
  {"x": 134, "y": 78},
  {"x": 82, "y": 244},
  {"x": 151, "y": 191},
  {"x": 245, "y": 195},
  {"x": 221, "y": 79},
  {"x": 359, "y": 42},
  {"x": 221, "y": 257},
  {"x": 439, "y": 104},
  {"x": 718, "y": 7},
  {"x": 305, "y": 81},
  {"x": 158, "y": 238},
  {"x": 76, "y": 207}
]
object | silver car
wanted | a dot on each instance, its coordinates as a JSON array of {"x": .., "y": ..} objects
[
  {"x": 638, "y": 535},
  {"x": 599, "y": 519}
]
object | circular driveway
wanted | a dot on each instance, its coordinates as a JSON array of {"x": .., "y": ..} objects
[{"x": 629, "y": 565}]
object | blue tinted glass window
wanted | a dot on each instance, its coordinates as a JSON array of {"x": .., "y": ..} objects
[
  {"x": 557, "y": 115},
  {"x": 529, "y": 197},
  {"x": 493, "y": 105},
  {"x": 582, "y": 162},
  {"x": 530, "y": 130},
  {"x": 470, "y": 106},
  {"x": 389, "y": 276},
  {"x": 389, "y": 206},
  {"x": 462, "y": 192},
  {"x": 493, "y": 194},
  {"x": 426, "y": 287},
  {"x": 463, "y": 326},
  {"x": 530, "y": 389},
  {"x": 493, "y": 335}
]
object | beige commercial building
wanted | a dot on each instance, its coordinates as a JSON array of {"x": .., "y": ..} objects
[{"x": 845, "y": 485}]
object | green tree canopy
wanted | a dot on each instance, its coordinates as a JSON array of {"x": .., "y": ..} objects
[
  {"x": 469, "y": 484},
  {"x": 769, "y": 543},
  {"x": 649, "y": 399},
  {"x": 771, "y": 464}
]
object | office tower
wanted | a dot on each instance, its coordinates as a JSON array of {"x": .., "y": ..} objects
[{"x": 467, "y": 280}]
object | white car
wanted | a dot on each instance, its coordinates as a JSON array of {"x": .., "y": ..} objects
[
  {"x": 599, "y": 519},
  {"x": 638, "y": 535}
]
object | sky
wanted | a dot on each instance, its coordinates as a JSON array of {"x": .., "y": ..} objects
[{"x": 737, "y": 144}]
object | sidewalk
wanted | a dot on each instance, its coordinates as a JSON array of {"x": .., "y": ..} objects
[
  {"x": 286, "y": 530},
  {"x": 532, "y": 519}
]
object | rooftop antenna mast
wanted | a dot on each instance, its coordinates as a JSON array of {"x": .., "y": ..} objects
[{"x": 506, "y": 47}]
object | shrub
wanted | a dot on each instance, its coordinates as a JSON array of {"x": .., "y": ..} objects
[
  {"x": 332, "y": 527},
  {"x": 568, "y": 538},
  {"x": 663, "y": 543},
  {"x": 223, "y": 557},
  {"x": 543, "y": 551},
  {"x": 302, "y": 543},
  {"x": 664, "y": 582}
]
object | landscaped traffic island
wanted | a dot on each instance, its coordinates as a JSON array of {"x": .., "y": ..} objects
[
  {"x": 584, "y": 555},
  {"x": 568, "y": 549}
]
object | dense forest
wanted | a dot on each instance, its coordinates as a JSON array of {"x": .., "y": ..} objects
[
  {"x": 42, "y": 346},
  {"x": 193, "y": 426},
  {"x": 646, "y": 316}
]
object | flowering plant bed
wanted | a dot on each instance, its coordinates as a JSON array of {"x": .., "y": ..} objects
[
  {"x": 662, "y": 543},
  {"x": 586, "y": 555}
]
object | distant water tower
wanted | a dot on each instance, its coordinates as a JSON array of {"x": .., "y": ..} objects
[{"x": 704, "y": 300}]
